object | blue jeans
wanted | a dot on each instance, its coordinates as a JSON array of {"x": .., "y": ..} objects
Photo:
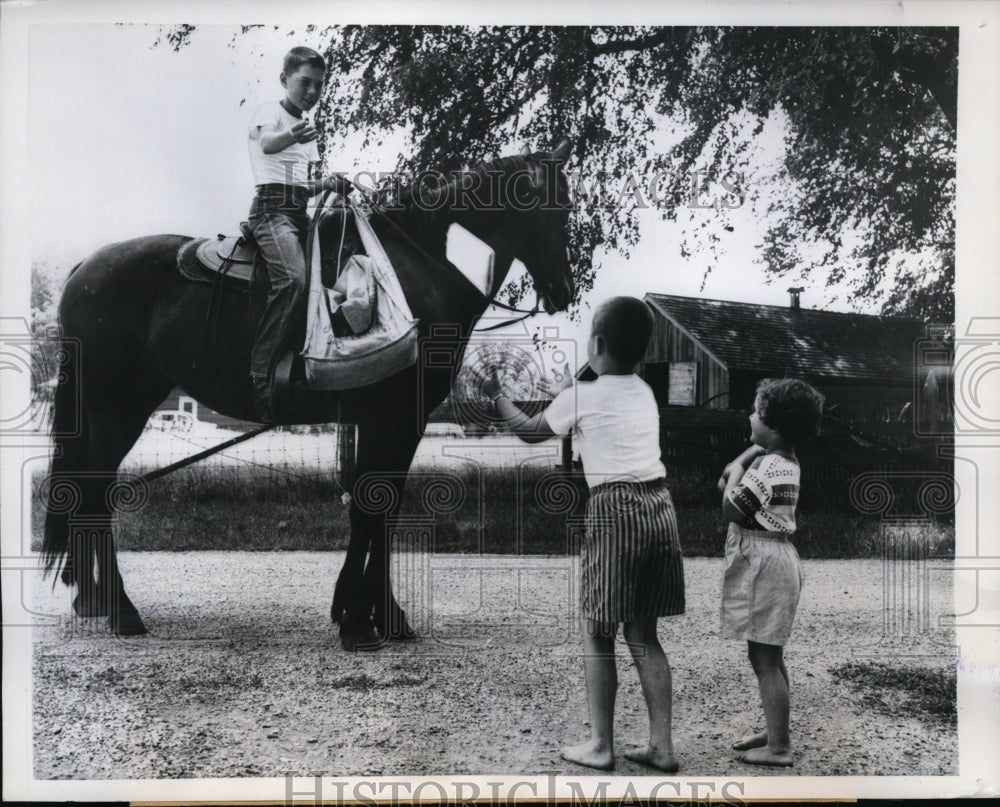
[{"x": 279, "y": 221}]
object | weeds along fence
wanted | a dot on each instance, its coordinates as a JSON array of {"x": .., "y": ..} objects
[
  {"x": 234, "y": 498},
  {"x": 283, "y": 490}
]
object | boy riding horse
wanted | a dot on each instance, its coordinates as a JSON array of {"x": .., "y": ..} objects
[{"x": 283, "y": 152}]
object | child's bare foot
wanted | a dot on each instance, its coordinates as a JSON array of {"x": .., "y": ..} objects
[
  {"x": 590, "y": 754},
  {"x": 655, "y": 758},
  {"x": 765, "y": 756},
  {"x": 750, "y": 741}
]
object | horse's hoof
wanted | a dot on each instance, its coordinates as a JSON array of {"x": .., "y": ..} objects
[
  {"x": 127, "y": 624},
  {"x": 364, "y": 640},
  {"x": 89, "y": 606}
]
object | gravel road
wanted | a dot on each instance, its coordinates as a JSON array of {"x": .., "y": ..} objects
[{"x": 242, "y": 674}]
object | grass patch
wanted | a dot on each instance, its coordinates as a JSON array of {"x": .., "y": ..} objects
[
  {"x": 530, "y": 510},
  {"x": 929, "y": 695}
]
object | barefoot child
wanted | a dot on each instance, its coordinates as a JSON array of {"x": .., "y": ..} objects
[
  {"x": 631, "y": 558},
  {"x": 763, "y": 577}
]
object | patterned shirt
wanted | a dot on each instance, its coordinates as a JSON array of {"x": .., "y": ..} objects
[{"x": 767, "y": 494}]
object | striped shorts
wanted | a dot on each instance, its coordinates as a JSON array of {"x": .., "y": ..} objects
[{"x": 630, "y": 560}]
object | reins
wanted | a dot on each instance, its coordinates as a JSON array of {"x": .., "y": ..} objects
[{"x": 374, "y": 206}]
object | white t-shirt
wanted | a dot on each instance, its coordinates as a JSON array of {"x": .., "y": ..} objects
[
  {"x": 616, "y": 428},
  {"x": 289, "y": 166}
]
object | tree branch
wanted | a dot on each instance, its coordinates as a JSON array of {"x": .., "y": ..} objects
[
  {"x": 641, "y": 43},
  {"x": 933, "y": 71}
]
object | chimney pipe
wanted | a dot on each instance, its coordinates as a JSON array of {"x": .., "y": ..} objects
[{"x": 795, "y": 291}]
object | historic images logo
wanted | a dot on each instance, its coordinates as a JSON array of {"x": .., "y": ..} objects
[{"x": 483, "y": 190}]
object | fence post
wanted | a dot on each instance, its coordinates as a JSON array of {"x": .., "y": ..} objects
[{"x": 567, "y": 452}]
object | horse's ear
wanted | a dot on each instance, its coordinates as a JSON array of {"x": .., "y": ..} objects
[
  {"x": 525, "y": 151},
  {"x": 561, "y": 152}
]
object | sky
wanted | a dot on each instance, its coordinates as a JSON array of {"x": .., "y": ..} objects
[{"x": 126, "y": 138}]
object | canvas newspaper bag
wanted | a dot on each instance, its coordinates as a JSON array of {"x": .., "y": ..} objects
[{"x": 366, "y": 289}]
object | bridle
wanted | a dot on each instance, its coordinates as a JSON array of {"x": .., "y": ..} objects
[{"x": 542, "y": 288}]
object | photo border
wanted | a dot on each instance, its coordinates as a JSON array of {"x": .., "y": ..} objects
[{"x": 977, "y": 259}]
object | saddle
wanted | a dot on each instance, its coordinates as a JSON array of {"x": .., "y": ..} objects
[
  {"x": 232, "y": 259},
  {"x": 358, "y": 326},
  {"x": 233, "y": 256}
]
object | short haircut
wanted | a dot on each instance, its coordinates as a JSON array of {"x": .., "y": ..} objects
[
  {"x": 625, "y": 324},
  {"x": 791, "y": 407},
  {"x": 299, "y": 56}
]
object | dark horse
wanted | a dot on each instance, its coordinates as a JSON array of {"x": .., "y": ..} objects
[{"x": 133, "y": 329}]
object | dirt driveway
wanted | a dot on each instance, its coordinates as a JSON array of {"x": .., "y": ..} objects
[{"x": 243, "y": 675}]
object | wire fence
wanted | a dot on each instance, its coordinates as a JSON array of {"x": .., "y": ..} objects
[
  {"x": 305, "y": 451},
  {"x": 696, "y": 445}
]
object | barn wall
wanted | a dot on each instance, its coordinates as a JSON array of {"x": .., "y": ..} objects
[{"x": 668, "y": 344}]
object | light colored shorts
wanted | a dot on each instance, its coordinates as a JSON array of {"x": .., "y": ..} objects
[
  {"x": 761, "y": 586},
  {"x": 630, "y": 559}
]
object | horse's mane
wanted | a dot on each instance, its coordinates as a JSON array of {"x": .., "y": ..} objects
[
  {"x": 505, "y": 165},
  {"x": 403, "y": 202}
]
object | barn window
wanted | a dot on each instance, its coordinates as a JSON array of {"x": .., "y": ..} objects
[
  {"x": 673, "y": 383},
  {"x": 683, "y": 385}
]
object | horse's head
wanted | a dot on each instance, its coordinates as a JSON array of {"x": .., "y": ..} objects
[
  {"x": 542, "y": 204},
  {"x": 520, "y": 207}
]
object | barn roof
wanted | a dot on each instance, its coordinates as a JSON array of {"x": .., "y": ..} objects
[{"x": 784, "y": 340}]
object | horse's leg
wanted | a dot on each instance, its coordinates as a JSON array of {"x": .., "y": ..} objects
[
  {"x": 114, "y": 425},
  {"x": 381, "y": 466},
  {"x": 389, "y": 618},
  {"x": 352, "y": 604}
]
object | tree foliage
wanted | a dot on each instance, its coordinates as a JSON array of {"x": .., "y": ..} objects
[
  {"x": 866, "y": 178},
  {"x": 46, "y": 286}
]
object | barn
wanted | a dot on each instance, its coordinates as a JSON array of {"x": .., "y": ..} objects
[
  {"x": 874, "y": 370},
  {"x": 178, "y": 402}
]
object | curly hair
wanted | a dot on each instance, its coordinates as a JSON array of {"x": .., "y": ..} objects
[{"x": 791, "y": 407}]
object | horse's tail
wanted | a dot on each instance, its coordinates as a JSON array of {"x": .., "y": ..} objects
[{"x": 70, "y": 436}]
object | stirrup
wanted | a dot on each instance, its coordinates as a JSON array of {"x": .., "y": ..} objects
[{"x": 281, "y": 383}]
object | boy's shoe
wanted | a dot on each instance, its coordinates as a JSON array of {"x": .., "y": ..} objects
[{"x": 263, "y": 405}]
